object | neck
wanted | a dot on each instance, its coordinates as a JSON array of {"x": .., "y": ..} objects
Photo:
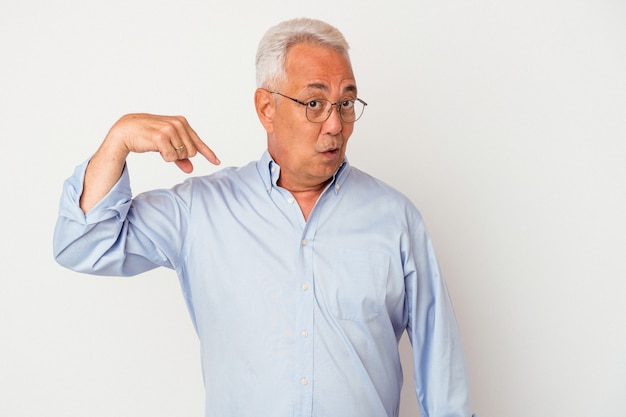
[{"x": 306, "y": 197}]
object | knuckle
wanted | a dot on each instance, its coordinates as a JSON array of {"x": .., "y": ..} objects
[
  {"x": 168, "y": 130},
  {"x": 162, "y": 136},
  {"x": 178, "y": 122}
]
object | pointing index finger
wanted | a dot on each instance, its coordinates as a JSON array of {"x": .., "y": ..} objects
[
  {"x": 203, "y": 148},
  {"x": 207, "y": 152}
]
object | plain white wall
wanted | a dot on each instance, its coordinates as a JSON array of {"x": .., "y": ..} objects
[{"x": 505, "y": 122}]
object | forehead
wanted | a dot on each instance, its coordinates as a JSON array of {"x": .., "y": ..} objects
[{"x": 317, "y": 68}]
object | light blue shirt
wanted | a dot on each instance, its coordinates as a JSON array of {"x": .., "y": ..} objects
[{"x": 295, "y": 318}]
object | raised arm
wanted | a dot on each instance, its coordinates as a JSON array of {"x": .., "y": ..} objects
[{"x": 171, "y": 136}]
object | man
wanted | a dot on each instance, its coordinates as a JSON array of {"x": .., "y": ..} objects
[{"x": 300, "y": 272}]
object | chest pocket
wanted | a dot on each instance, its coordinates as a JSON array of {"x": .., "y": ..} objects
[{"x": 354, "y": 284}]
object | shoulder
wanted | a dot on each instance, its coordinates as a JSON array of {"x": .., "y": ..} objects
[
  {"x": 375, "y": 188},
  {"x": 225, "y": 177},
  {"x": 375, "y": 197},
  {"x": 222, "y": 185}
]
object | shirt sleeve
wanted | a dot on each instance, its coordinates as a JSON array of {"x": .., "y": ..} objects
[
  {"x": 440, "y": 374},
  {"x": 119, "y": 236}
]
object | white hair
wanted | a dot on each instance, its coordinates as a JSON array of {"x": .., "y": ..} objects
[{"x": 273, "y": 47}]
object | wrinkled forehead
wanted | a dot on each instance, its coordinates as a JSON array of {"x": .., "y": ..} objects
[{"x": 318, "y": 68}]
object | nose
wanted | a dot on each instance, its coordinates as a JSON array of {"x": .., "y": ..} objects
[{"x": 333, "y": 125}]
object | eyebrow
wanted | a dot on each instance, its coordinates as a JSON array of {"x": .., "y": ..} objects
[{"x": 351, "y": 88}]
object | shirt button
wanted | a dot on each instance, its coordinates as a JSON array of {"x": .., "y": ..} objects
[
  {"x": 290, "y": 200},
  {"x": 337, "y": 187},
  {"x": 304, "y": 333},
  {"x": 305, "y": 286},
  {"x": 303, "y": 381},
  {"x": 304, "y": 242}
]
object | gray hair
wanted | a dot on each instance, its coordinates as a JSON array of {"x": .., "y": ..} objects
[{"x": 273, "y": 47}]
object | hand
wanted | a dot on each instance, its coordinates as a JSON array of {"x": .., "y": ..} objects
[{"x": 171, "y": 136}]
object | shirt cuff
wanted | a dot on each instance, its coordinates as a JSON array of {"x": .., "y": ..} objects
[{"x": 114, "y": 204}]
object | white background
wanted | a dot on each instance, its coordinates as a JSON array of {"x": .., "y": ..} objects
[{"x": 504, "y": 121}]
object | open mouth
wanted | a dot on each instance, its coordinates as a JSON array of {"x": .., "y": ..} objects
[{"x": 331, "y": 151}]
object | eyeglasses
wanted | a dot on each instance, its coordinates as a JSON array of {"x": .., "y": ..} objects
[{"x": 318, "y": 110}]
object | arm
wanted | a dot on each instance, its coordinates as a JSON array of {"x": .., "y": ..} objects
[
  {"x": 171, "y": 136},
  {"x": 440, "y": 374},
  {"x": 98, "y": 230}
]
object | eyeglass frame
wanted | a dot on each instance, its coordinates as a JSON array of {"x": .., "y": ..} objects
[{"x": 338, "y": 104}]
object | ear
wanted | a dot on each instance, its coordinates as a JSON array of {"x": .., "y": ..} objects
[{"x": 265, "y": 106}]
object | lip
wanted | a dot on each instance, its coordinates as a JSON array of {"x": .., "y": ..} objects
[
  {"x": 331, "y": 155},
  {"x": 334, "y": 148},
  {"x": 331, "y": 152}
]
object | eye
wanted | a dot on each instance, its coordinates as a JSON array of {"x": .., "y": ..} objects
[
  {"x": 313, "y": 104},
  {"x": 347, "y": 104}
]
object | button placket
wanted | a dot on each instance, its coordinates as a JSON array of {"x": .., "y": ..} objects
[{"x": 304, "y": 323}]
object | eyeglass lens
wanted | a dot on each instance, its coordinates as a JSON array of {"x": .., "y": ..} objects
[{"x": 349, "y": 110}]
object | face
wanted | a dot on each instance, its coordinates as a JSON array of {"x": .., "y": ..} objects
[{"x": 308, "y": 153}]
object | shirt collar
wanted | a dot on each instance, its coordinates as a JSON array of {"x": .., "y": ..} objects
[{"x": 269, "y": 171}]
